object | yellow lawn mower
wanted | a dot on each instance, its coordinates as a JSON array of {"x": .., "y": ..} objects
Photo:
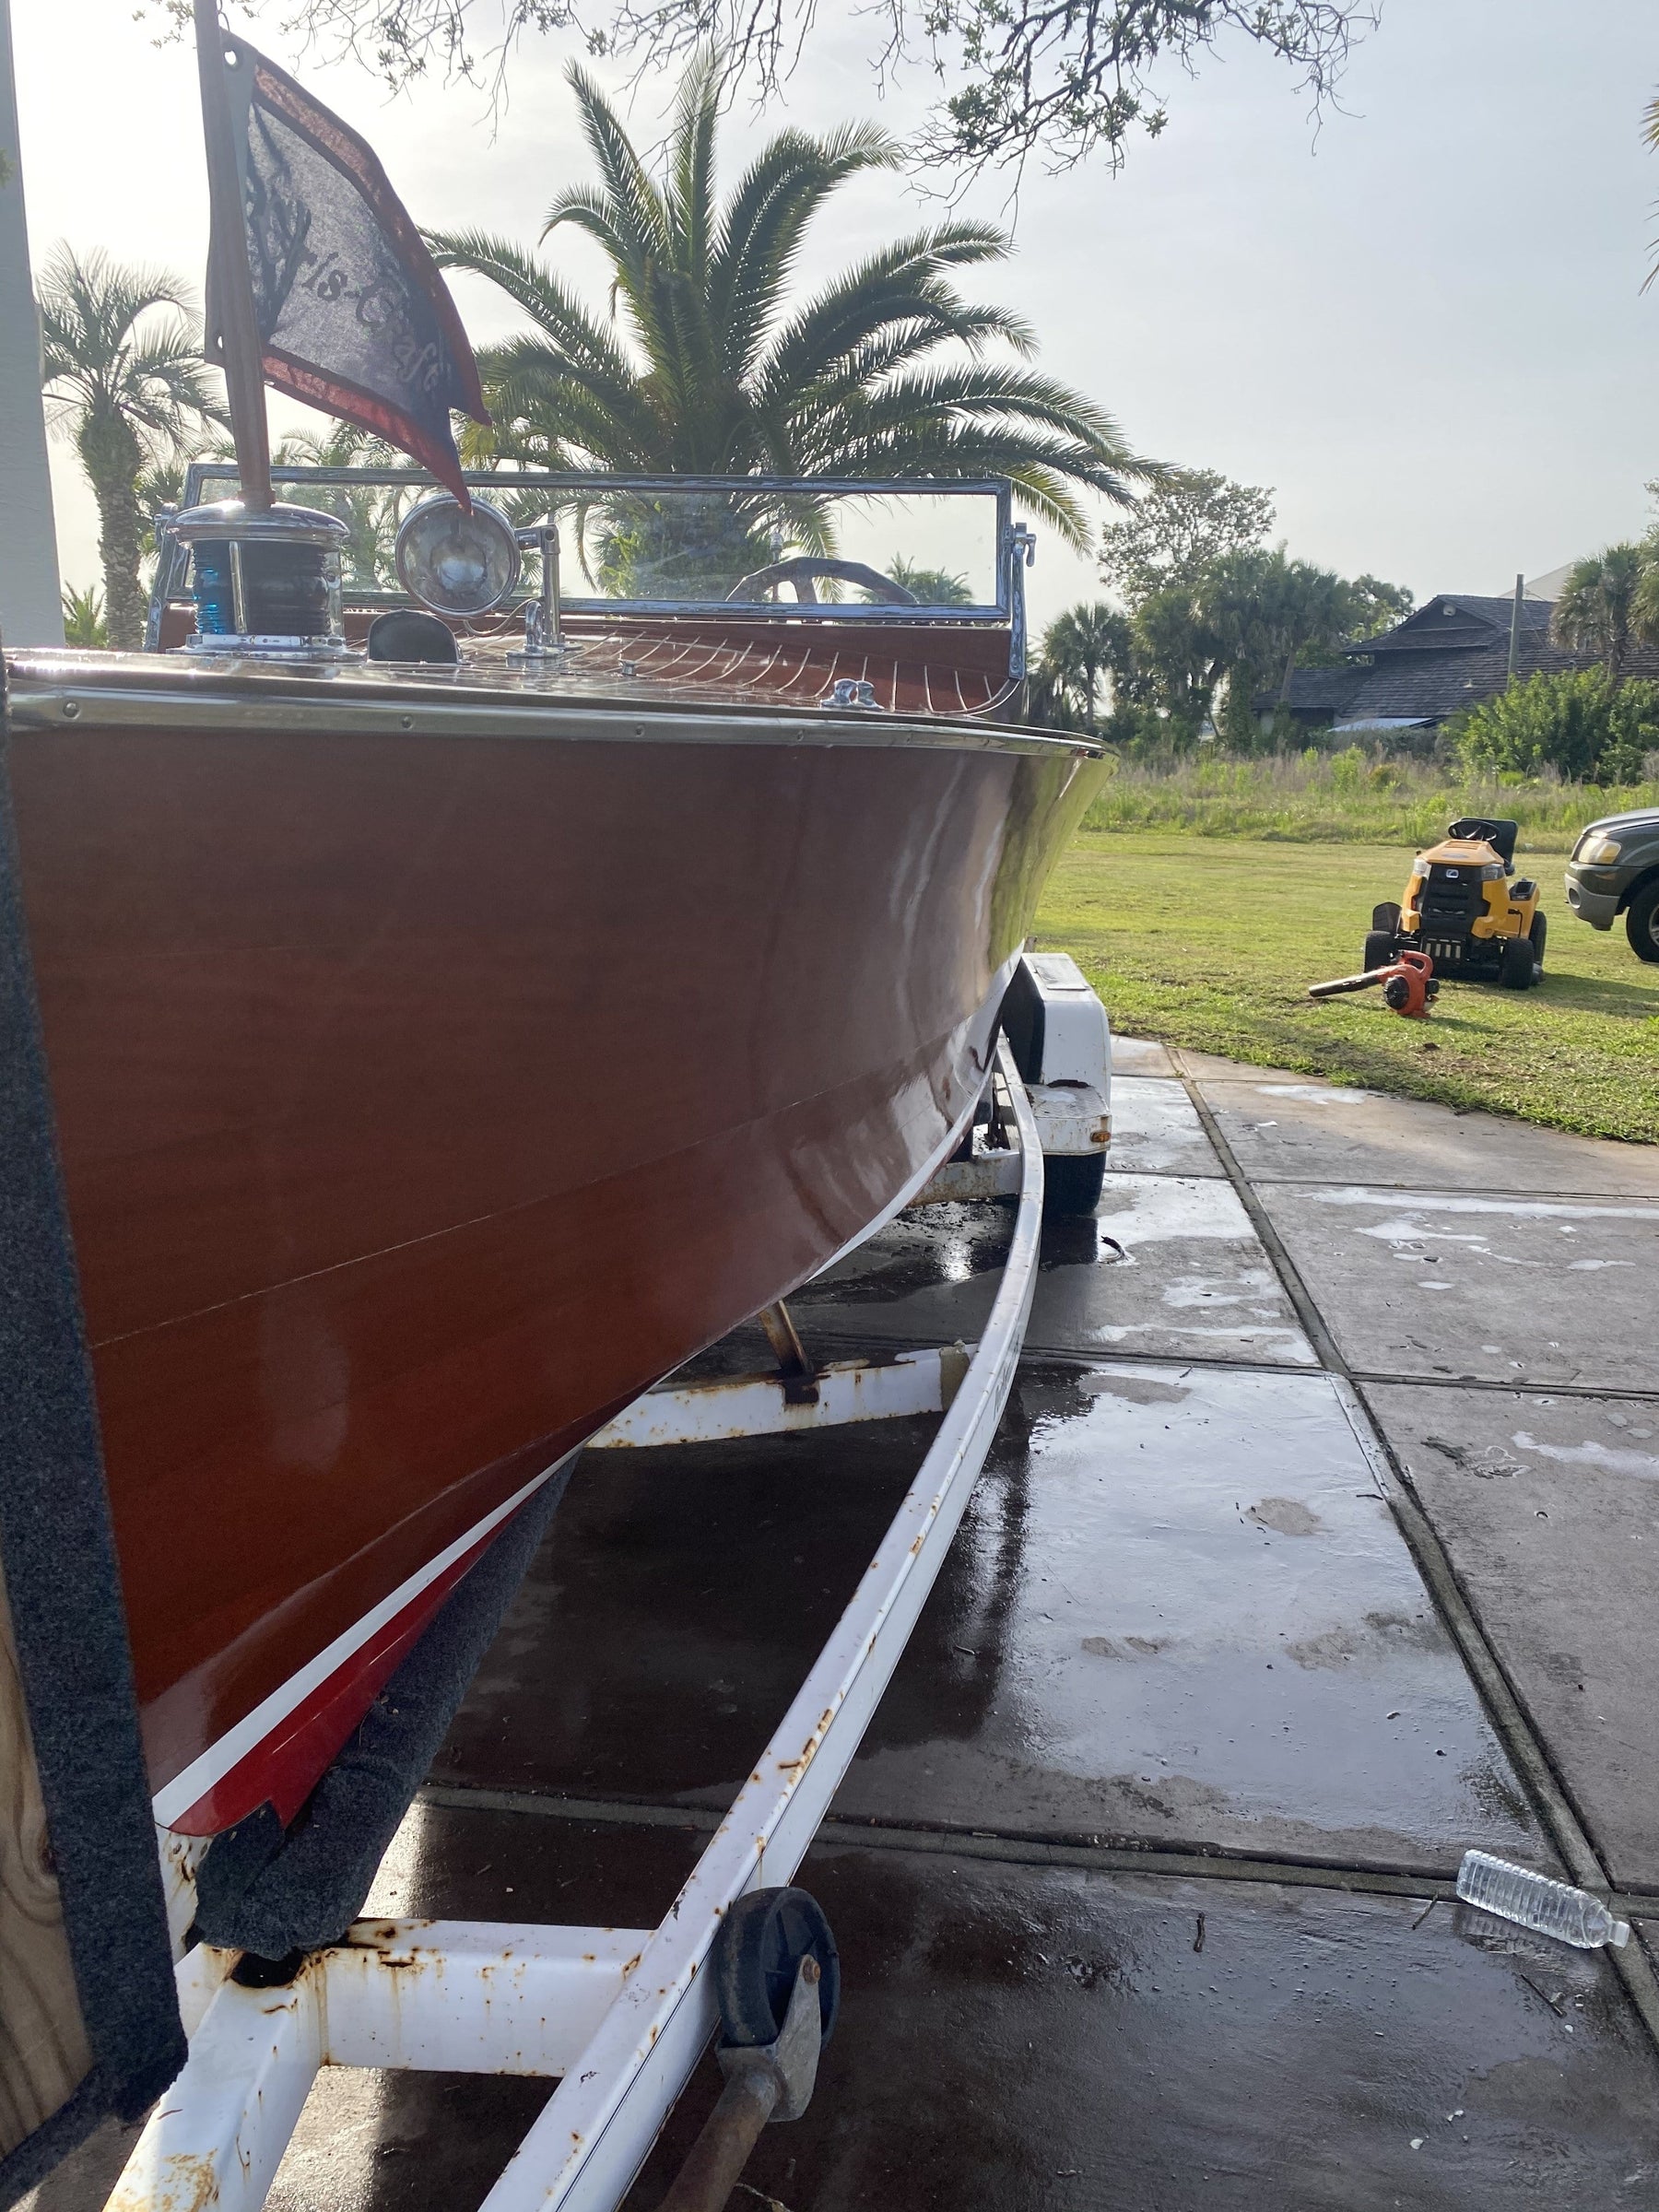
[{"x": 1465, "y": 907}]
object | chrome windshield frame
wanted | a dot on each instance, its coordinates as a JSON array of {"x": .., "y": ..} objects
[{"x": 207, "y": 478}]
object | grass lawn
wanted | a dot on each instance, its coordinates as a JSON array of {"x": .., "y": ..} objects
[{"x": 1212, "y": 942}]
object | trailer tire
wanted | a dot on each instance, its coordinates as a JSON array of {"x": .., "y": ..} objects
[
  {"x": 1072, "y": 1184},
  {"x": 757, "y": 1957}
]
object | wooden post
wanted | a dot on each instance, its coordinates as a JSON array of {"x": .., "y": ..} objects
[
  {"x": 44, "y": 2054},
  {"x": 239, "y": 354}
]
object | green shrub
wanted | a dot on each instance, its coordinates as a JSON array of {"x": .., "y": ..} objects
[
  {"x": 1632, "y": 734},
  {"x": 1349, "y": 771},
  {"x": 1582, "y": 725}
]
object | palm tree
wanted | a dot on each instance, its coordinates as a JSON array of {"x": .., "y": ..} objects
[
  {"x": 123, "y": 377},
  {"x": 1080, "y": 648},
  {"x": 1602, "y": 606},
  {"x": 370, "y": 513},
  {"x": 716, "y": 370},
  {"x": 929, "y": 587},
  {"x": 1644, "y": 605},
  {"x": 84, "y": 617}
]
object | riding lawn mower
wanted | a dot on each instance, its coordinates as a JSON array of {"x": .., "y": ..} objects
[{"x": 1467, "y": 910}]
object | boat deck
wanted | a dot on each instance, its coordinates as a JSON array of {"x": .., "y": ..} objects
[
  {"x": 918, "y": 669},
  {"x": 1141, "y": 1880}
]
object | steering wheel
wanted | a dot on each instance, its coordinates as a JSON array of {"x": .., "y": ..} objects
[{"x": 801, "y": 571}]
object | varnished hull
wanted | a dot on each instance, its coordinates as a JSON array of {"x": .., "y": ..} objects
[{"x": 423, "y": 1096}]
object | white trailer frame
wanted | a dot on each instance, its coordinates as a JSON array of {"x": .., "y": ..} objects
[{"x": 622, "y": 2015}]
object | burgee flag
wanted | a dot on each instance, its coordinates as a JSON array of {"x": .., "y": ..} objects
[{"x": 353, "y": 315}]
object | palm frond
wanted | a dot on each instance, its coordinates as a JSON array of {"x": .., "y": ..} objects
[
  {"x": 905, "y": 339},
  {"x": 533, "y": 288},
  {"x": 761, "y": 236},
  {"x": 690, "y": 195},
  {"x": 1002, "y": 387},
  {"x": 536, "y": 396},
  {"x": 1048, "y": 473},
  {"x": 867, "y": 302},
  {"x": 636, "y": 206}
]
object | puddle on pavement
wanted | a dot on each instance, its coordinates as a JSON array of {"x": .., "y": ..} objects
[
  {"x": 1280, "y": 1682},
  {"x": 1203, "y": 1626}
]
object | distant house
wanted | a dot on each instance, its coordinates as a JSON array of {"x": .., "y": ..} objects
[{"x": 1453, "y": 652}]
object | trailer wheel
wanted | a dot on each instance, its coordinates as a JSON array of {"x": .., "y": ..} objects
[
  {"x": 1072, "y": 1184},
  {"x": 757, "y": 1955}
]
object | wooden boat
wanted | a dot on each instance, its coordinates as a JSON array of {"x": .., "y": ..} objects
[{"x": 442, "y": 1054}]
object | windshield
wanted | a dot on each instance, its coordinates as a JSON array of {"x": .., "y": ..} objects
[{"x": 826, "y": 549}]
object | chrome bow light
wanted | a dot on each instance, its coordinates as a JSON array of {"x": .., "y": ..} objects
[{"x": 265, "y": 580}]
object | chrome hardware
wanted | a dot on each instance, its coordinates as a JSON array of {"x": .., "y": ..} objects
[
  {"x": 170, "y": 564},
  {"x": 854, "y": 691},
  {"x": 459, "y": 563},
  {"x": 1020, "y": 551},
  {"x": 544, "y": 639},
  {"x": 256, "y": 569}
]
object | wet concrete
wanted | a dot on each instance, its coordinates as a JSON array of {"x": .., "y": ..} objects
[
  {"x": 1285, "y": 1128},
  {"x": 1032, "y": 2037},
  {"x": 1188, "y": 1279},
  {"x": 1549, "y": 1510},
  {"x": 1178, "y": 1612},
  {"x": 1183, "y": 1615},
  {"x": 1454, "y": 1283},
  {"x": 1169, "y": 1268},
  {"x": 670, "y": 1617},
  {"x": 1155, "y": 1129},
  {"x": 1139, "y": 1056}
]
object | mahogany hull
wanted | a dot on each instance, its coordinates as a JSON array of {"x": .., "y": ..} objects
[{"x": 423, "y": 1096}]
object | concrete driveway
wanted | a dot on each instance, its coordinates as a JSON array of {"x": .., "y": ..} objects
[{"x": 1320, "y": 1542}]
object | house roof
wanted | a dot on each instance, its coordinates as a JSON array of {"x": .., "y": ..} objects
[
  {"x": 1314, "y": 688},
  {"x": 1451, "y": 652},
  {"x": 1454, "y": 621}
]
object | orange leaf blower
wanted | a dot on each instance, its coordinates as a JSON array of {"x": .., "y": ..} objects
[{"x": 1409, "y": 984}]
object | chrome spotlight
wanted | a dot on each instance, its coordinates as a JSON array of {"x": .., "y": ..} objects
[{"x": 455, "y": 563}]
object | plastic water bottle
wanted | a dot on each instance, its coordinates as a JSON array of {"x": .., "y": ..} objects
[{"x": 1534, "y": 1902}]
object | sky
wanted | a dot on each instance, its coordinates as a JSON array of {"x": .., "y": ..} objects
[{"x": 1420, "y": 320}]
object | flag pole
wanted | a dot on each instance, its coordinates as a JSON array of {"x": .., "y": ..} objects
[{"x": 240, "y": 355}]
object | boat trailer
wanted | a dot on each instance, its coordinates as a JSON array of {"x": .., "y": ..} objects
[{"x": 621, "y": 2016}]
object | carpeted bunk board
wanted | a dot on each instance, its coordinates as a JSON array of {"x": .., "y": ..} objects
[{"x": 89, "y": 2015}]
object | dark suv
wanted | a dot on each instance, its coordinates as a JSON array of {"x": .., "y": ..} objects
[{"x": 1615, "y": 870}]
